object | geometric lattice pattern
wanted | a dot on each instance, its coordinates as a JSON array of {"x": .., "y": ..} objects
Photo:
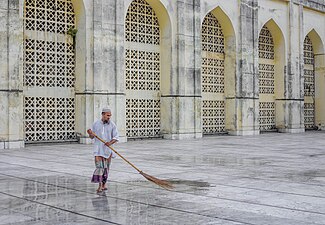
[
  {"x": 141, "y": 24},
  {"x": 266, "y": 81},
  {"x": 309, "y": 84},
  {"x": 49, "y": 71},
  {"x": 212, "y": 35},
  {"x": 48, "y": 64},
  {"x": 309, "y": 115},
  {"x": 267, "y": 116},
  {"x": 49, "y": 119},
  {"x": 143, "y": 118},
  {"x": 266, "y": 78},
  {"x": 142, "y": 70},
  {"x": 265, "y": 44},
  {"x": 213, "y": 76},
  {"x": 309, "y": 73},
  {"x": 213, "y": 117},
  {"x": 142, "y": 73},
  {"x": 56, "y": 16}
]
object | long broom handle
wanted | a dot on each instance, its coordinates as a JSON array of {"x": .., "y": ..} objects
[{"x": 118, "y": 154}]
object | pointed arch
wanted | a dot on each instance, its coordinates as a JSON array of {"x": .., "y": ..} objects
[
  {"x": 218, "y": 72},
  {"x": 148, "y": 46},
  {"x": 314, "y": 81},
  {"x": 271, "y": 76},
  {"x": 49, "y": 71}
]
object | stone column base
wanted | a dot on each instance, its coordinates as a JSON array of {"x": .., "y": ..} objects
[
  {"x": 183, "y": 136},
  {"x": 12, "y": 144},
  {"x": 292, "y": 130},
  {"x": 244, "y": 132}
]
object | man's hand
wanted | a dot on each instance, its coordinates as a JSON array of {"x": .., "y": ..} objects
[
  {"x": 90, "y": 133},
  {"x": 109, "y": 143}
]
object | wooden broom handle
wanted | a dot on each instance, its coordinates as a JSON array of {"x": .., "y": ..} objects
[{"x": 118, "y": 153}]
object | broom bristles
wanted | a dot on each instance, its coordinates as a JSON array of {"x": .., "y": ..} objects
[{"x": 162, "y": 183}]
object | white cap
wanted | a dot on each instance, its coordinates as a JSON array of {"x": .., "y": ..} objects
[{"x": 106, "y": 109}]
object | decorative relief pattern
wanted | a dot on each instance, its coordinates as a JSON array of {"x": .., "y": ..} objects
[
  {"x": 266, "y": 81},
  {"x": 309, "y": 84},
  {"x": 213, "y": 84},
  {"x": 213, "y": 117},
  {"x": 49, "y": 119},
  {"x": 141, "y": 24},
  {"x": 142, "y": 71},
  {"x": 49, "y": 71}
]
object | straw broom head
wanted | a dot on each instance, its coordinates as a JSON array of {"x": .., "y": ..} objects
[{"x": 162, "y": 183}]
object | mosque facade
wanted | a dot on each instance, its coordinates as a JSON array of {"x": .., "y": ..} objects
[{"x": 173, "y": 69}]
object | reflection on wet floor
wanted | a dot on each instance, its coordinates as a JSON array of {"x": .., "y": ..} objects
[{"x": 270, "y": 181}]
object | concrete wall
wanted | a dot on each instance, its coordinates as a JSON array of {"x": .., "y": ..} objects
[{"x": 100, "y": 63}]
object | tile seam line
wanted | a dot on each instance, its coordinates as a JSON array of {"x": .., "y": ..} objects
[
  {"x": 55, "y": 207},
  {"x": 152, "y": 205},
  {"x": 235, "y": 176},
  {"x": 184, "y": 211},
  {"x": 217, "y": 184}
]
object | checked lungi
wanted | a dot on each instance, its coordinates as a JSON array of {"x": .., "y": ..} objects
[{"x": 101, "y": 172}]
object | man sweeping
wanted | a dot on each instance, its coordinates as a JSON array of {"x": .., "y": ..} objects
[{"x": 106, "y": 130}]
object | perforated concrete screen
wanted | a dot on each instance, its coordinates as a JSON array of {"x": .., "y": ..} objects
[
  {"x": 213, "y": 85},
  {"x": 142, "y": 71},
  {"x": 266, "y": 81},
  {"x": 309, "y": 84},
  {"x": 49, "y": 71}
]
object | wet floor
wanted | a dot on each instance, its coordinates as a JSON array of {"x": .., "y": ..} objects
[{"x": 266, "y": 179}]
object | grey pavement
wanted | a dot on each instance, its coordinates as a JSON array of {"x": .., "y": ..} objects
[{"x": 267, "y": 179}]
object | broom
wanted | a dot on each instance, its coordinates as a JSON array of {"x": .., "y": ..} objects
[{"x": 162, "y": 183}]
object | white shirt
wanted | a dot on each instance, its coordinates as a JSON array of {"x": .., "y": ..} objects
[{"x": 107, "y": 132}]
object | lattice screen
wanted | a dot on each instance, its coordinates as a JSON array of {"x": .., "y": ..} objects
[
  {"x": 48, "y": 119},
  {"x": 141, "y": 24},
  {"x": 213, "y": 85},
  {"x": 266, "y": 81},
  {"x": 55, "y": 16},
  {"x": 49, "y": 71},
  {"x": 309, "y": 84},
  {"x": 142, "y": 71}
]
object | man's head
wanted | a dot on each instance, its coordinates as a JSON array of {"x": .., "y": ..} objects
[{"x": 106, "y": 115}]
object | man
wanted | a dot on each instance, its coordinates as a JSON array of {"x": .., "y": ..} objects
[{"x": 105, "y": 129}]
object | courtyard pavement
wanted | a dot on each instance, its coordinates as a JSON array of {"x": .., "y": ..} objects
[{"x": 267, "y": 179}]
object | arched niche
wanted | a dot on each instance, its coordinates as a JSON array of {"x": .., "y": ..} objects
[
  {"x": 319, "y": 68},
  {"x": 279, "y": 72}
]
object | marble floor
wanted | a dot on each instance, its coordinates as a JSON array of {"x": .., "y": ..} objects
[{"x": 267, "y": 179}]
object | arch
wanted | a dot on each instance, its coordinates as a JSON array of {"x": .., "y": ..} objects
[
  {"x": 319, "y": 76},
  {"x": 228, "y": 55},
  {"x": 160, "y": 49},
  {"x": 279, "y": 78},
  {"x": 279, "y": 54},
  {"x": 49, "y": 71},
  {"x": 165, "y": 26}
]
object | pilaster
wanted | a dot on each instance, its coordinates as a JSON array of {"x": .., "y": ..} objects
[
  {"x": 183, "y": 100},
  {"x": 246, "y": 100},
  {"x": 11, "y": 110}
]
